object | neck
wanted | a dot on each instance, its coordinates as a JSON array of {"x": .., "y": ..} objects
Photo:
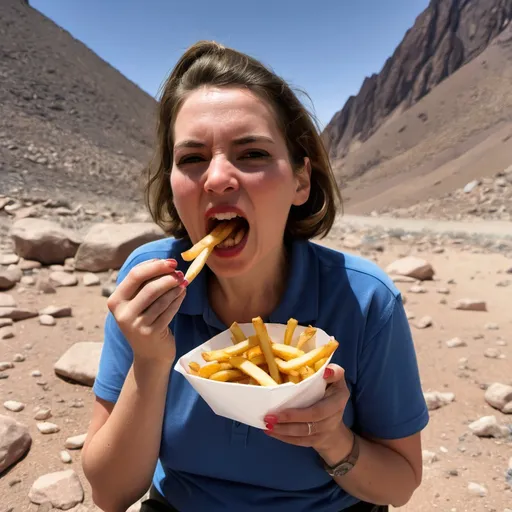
[{"x": 256, "y": 293}]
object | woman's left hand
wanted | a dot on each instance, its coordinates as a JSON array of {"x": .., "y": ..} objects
[{"x": 317, "y": 426}]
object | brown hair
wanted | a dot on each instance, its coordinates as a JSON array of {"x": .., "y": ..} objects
[{"x": 209, "y": 63}]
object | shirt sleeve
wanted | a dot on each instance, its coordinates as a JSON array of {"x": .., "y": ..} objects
[{"x": 389, "y": 401}]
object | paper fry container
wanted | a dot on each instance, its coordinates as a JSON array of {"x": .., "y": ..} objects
[{"x": 246, "y": 403}]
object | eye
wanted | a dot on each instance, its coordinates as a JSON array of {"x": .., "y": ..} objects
[
  {"x": 190, "y": 159},
  {"x": 255, "y": 153}
]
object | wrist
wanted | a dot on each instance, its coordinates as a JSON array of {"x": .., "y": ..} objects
[
  {"x": 338, "y": 446},
  {"x": 152, "y": 366}
]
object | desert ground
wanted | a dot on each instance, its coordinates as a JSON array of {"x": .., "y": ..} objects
[{"x": 467, "y": 466}]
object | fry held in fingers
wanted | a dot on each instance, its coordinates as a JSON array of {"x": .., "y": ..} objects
[
  {"x": 200, "y": 251},
  {"x": 259, "y": 361}
]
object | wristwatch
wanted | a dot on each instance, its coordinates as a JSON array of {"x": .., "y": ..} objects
[{"x": 345, "y": 465}]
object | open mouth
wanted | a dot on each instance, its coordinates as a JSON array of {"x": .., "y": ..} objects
[{"x": 236, "y": 236}]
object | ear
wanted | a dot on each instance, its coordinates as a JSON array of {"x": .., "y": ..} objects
[{"x": 303, "y": 178}]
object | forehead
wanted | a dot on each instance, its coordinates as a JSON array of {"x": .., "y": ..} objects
[{"x": 222, "y": 112}]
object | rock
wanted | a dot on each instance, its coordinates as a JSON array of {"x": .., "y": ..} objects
[
  {"x": 6, "y": 322},
  {"x": 488, "y": 426},
  {"x": 7, "y": 301},
  {"x": 43, "y": 240},
  {"x": 507, "y": 409},
  {"x": 47, "y": 320},
  {"x": 61, "y": 278},
  {"x": 57, "y": 311},
  {"x": 75, "y": 442},
  {"x": 108, "y": 290},
  {"x": 429, "y": 457},
  {"x": 90, "y": 279},
  {"x": 491, "y": 326},
  {"x": 471, "y": 186},
  {"x": 36, "y": 373},
  {"x": 15, "y": 441},
  {"x": 477, "y": 490},
  {"x": 48, "y": 428},
  {"x": 42, "y": 413},
  {"x": 80, "y": 362},
  {"x": 62, "y": 489},
  {"x": 9, "y": 259},
  {"x": 492, "y": 353},
  {"x": 412, "y": 267},
  {"x": 45, "y": 286},
  {"x": 403, "y": 279},
  {"x": 14, "y": 406},
  {"x": 9, "y": 278},
  {"x": 417, "y": 289},
  {"x": 17, "y": 314},
  {"x": 29, "y": 265},
  {"x": 6, "y": 365},
  {"x": 424, "y": 322},
  {"x": 498, "y": 395},
  {"x": 470, "y": 305},
  {"x": 352, "y": 242},
  {"x": 106, "y": 246},
  {"x": 436, "y": 399},
  {"x": 6, "y": 333},
  {"x": 65, "y": 457},
  {"x": 443, "y": 291},
  {"x": 456, "y": 342},
  {"x": 28, "y": 281}
]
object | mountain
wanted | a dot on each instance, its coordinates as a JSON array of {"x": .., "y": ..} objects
[{"x": 71, "y": 125}]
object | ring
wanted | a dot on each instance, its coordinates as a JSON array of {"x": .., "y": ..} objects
[{"x": 310, "y": 428}]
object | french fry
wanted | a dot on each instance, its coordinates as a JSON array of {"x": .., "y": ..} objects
[
  {"x": 293, "y": 377},
  {"x": 254, "y": 352},
  {"x": 238, "y": 334},
  {"x": 305, "y": 336},
  {"x": 253, "y": 371},
  {"x": 305, "y": 372},
  {"x": 319, "y": 363},
  {"x": 286, "y": 352},
  {"x": 215, "y": 237},
  {"x": 309, "y": 358},
  {"x": 290, "y": 329},
  {"x": 266, "y": 348},
  {"x": 224, "y": 354},
  {"x": 194, "y": 366},
  {"x": 198, "y": 264},
  {"x": 227, "y": 375},
  {"x": 209, "y": 369},
  {"x": 258, "y": 360}
]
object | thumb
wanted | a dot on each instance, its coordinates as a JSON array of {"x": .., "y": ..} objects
[{"x": 335, "y": 376}]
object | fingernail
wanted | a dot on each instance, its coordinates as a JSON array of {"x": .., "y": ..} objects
[
  {"x": 329, "y": 372},
  {"x": 269, "y": 426},
  {"x": 179, "y": 274},
  {"x": 271, "y": 419},
  {"x": 184, "y": 284},
  {"x": 171, "y": 262}
]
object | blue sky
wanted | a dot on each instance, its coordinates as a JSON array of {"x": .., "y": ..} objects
[{"x": 325, "y": 47}]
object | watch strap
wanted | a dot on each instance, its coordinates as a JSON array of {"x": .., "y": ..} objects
[{"x": 345, "y": 465}]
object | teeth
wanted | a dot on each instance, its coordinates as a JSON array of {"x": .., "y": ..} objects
[{"x": 225, "y": 216}]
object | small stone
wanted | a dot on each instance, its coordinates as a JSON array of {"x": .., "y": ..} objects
[
  {"x": 488, "y": 426},
  {"x": 75, "y": 442},
  {"x": 6, "y": 322},
  {"x": 498, "y": 395},
  {"x": 63, "y": 278},
  {"x": 6, "y": 333},
  {"x": 436, "y": 399},
  {"x": 424, "y": 322},
  {"x": 62, "y": 489},
  {"x": 42, "y": 413},
  {"x": 28, "y": 281},
  {"x": 47, "y": 428},
  {"x": 90, "y": 279},
  {"x": 429, "y": 457},
  {"x": 492, "y": 353},
  {"x": 456, "y": 342},
  {"x": 7, "y": 301},
  {"x": 14, "y": 406},
  {"x": 9, "y": 259},
  {"x": 36, "y": 373},
  {"x": 65, "y": 457},
  {"x": 57, "y": 311},
  {"x": 491, "y": 326},
  {"x": 18, "y": 358},
  {"x": 417, "y": 289},
  {"x": 6, "y": 365},
  {"x": 477, "y": 490},
  {"x": 47, "y": 320},
  {"x": 470, "y": 305}
]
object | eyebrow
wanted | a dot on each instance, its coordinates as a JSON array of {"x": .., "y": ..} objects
[{"x": 249, "y": 139}]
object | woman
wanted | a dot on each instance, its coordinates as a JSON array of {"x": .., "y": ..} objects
[{"x": 234, "y": 139}]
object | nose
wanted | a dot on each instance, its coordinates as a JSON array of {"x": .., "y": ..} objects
[{"x": 221, "y": 176}]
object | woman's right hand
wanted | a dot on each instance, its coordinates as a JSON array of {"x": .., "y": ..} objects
[{"x": 144, "y": 304}]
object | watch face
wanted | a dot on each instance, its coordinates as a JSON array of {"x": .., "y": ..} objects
[{"x": 343, "y": 468}]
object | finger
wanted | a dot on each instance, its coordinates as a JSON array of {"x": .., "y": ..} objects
[
  {"x": 139, "y": 274},
  {"x": 166, "y": 317},
  {"x": 152, "y": 291},
  {"x": 302, "y": 429},
  {"x": 305, "y": 441},
  {"x": 151, "y": 313},
  {"x": 324, "y": 408}
]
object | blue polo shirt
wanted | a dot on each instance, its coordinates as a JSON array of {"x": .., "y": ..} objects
[{"x": 210, "y": 463}]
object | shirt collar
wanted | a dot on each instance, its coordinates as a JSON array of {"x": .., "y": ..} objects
[{"x": 299, "y": 301}]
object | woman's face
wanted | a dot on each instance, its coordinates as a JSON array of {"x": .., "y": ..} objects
[{"x": 230, "y": 157}]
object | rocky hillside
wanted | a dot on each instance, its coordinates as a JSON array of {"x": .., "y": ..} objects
[
  {"x": 447, "y": 35},
  {"x": 72, "y": 126}
]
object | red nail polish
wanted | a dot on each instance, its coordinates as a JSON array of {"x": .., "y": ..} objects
[
  {"x": 271, "y": 419},
  {"x": 329, "y": 372},
  {"x": 179, "y": 274},
  {"x": 171, "y": 262},
  {"x": 269, "y": 426},
  {"x": 184, "y": 284}
]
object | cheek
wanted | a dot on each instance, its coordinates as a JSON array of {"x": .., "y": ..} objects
[{"x": 183, "y": 189}]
